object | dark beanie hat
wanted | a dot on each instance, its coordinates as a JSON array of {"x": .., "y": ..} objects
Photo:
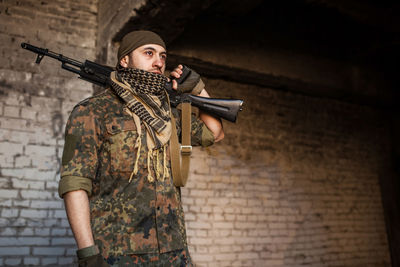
[{"x": 135, "y": 39}]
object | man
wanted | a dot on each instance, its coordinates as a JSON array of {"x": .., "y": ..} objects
[{"x": 116, "y": 178}]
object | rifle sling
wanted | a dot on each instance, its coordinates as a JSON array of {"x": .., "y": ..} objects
[{"x": 180, "y": 154}]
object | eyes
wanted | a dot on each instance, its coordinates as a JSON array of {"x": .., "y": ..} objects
[{"x": 150, "y": 53}]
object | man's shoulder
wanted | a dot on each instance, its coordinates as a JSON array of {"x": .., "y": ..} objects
[
  {"x": 100, "y": 99},
  {"x": 98, "y": 105}
]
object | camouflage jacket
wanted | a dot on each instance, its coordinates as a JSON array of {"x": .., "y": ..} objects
[{"x": 99, "y": 154}]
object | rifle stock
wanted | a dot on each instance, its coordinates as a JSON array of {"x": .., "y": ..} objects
[
  {"x": 218, "y": 107},
  {"x": 99, "y": 74}
]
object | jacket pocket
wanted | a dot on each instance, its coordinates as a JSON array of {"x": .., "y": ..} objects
[{"x": 122, "y": 138}]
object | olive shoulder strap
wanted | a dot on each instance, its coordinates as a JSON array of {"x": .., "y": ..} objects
[{"x": 180, "y": 153}]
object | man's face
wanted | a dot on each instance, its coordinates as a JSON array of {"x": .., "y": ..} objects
[{"x": 150, "y": 57}]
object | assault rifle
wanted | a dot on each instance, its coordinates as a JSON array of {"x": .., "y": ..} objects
[{"x": 99, "y": 74}]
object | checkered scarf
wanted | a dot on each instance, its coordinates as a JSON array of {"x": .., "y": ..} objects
[{"x": 144, "y": 94}]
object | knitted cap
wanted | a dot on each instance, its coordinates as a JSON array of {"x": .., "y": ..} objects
[{"x": 135, "y": 39}]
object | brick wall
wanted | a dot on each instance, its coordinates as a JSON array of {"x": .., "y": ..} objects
[
  {"x": 294, "y": 183},
  {"x": 34, "y": 103}
]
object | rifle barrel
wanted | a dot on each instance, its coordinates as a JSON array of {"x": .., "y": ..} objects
[{"x": 46, "y": 52}]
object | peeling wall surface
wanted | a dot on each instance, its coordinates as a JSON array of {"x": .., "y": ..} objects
[{"x": 295, "y": 181}]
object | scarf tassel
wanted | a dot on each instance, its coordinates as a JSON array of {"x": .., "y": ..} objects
[{"x": 138, "y": 145}]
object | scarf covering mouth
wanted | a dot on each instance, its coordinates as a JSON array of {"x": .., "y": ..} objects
[{"x": 144, "y": 95}]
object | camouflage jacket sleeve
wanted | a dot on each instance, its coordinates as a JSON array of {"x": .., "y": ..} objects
[
  {"x": 79, "y": 160},
  {"x": 200, "y": 134}
]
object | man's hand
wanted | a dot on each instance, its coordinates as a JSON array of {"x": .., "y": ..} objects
[
  {"x": 191, "y": 83},
  {"x": 92, "y": 261},
  {"x": 176, "y": 73}
]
